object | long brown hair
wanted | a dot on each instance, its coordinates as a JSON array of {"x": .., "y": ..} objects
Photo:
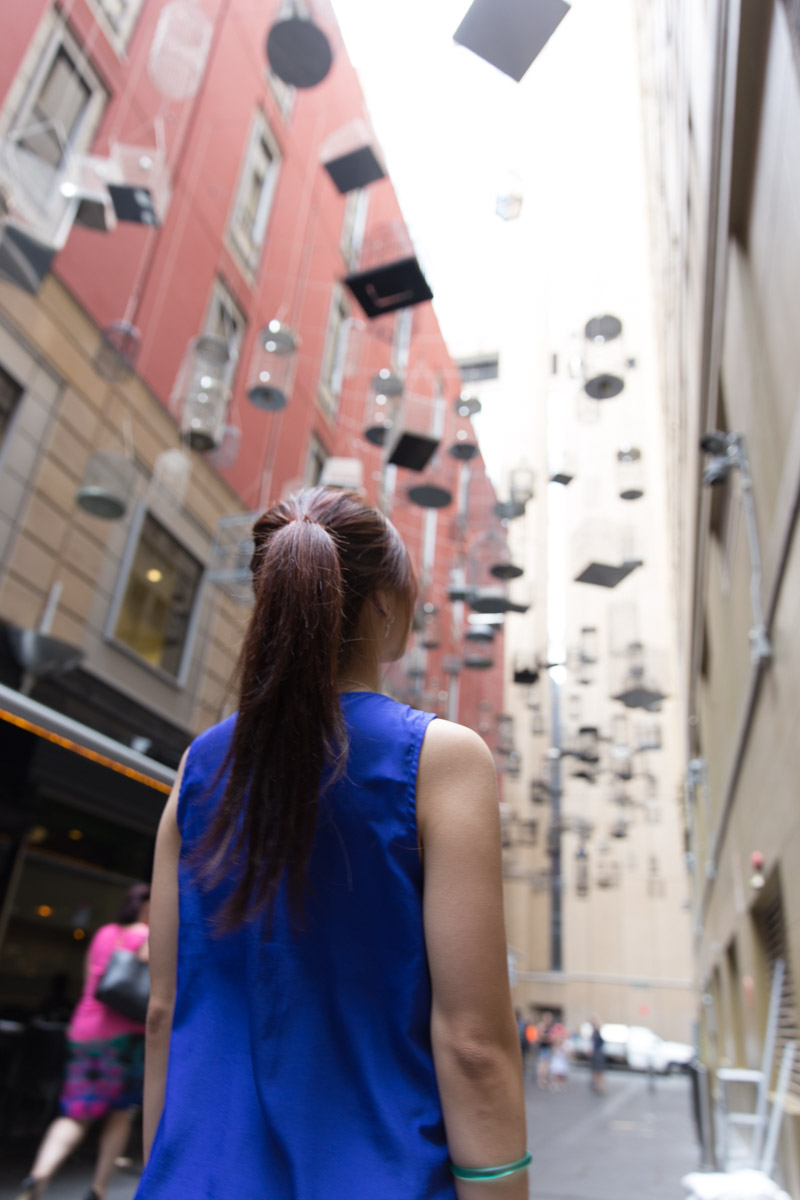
[{"x": 318, "y": 556}]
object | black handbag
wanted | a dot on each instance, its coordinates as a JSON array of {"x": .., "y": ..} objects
[{"x": 125, "y": 985}]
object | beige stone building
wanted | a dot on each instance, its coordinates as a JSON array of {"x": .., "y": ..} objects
[{"x": 721, "y": 94}]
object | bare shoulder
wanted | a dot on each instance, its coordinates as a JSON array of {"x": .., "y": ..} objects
[{"x": 448, "y": 746}]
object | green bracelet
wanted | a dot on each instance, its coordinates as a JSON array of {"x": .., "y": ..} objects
[{"x": 489, "y": 1173}]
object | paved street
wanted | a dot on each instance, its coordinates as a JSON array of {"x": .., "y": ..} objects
[{"x": 630, "y": 1144}]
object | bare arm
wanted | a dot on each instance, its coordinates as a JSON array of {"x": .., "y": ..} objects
[
  {"x": 475, "y": 1043},
  {"x": 163, "y": 953}
]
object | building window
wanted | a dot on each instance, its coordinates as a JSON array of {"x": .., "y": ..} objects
[
  {"x": 475, "y": 369},
  {"x": 315, "y": 463},
  {"x": 255, "y": 194},
  {"x": 401, "y": 345},
  {"x": 155, "y": 612},
  {"x": 225, "y": 318},
  {"x": 334, "y": 356},
  {"x": 353, "y": 225},
  {"x": 10, "y": 394},
  {"x": 58, "y": 112}
]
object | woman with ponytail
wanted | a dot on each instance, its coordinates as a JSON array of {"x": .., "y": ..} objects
[{"x": 330, "y": 1015}]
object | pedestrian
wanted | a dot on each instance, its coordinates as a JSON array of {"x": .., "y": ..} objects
[
  {"x": 598, "y": 1058},
  {"x": 522, "y": 1034},
  {"x": 331, "y": 1016},
  {"x": 559, "y": 1058},
  {"x": 545, "y": 1044},
  {"x": 105, "y": 1061}
]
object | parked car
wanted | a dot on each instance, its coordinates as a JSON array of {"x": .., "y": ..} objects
[
  {"x": 615, "y": 1038},
  {"x": 636, "y": 1047}
]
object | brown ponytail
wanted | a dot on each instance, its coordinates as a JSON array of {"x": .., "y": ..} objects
[{"x": 317, "y": 558}]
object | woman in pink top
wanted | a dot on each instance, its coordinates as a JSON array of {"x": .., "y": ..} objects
[{"x": 105, "y": 1064}]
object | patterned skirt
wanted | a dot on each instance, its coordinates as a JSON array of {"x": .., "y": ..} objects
[{"x": 102, "y": 1075}]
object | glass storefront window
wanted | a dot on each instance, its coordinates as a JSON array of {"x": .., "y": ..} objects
[{"x": 156, "y": 608}]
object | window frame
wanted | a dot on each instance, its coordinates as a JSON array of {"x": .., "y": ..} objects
[
  {"x": 334, "y": 353},
  {"x": 316, "y": 455},
  {"x": 247, "y": 252},
  {"x": 180, "y": 678},
  {"x": 354, "y": 224},
  {"x": 53, "y": 36},
  {"x": 119, "y": 33}
]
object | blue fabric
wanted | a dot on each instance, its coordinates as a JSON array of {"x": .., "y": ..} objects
[{"x": 300, "y": 1064}]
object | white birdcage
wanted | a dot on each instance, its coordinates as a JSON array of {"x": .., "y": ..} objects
[
  {"x": 108, "y": 486},
  {"x": 226, "y": 453},
  {"x": 463, "y": 442},
  {"x": 630, "y": 473},
  {"x": 385, "y": 389},
  {"x": 603, "y": 361},
  {"x": 604, "y": 554},
  {"x": 273, "y": 367},
  {"x": 179, "y": 50},
  {"x": 201, "y": 394},
  {"x": 388, "y": 275},
  {"x": 84, "y": 182},
  {"x": 118, "y": 351},
  {"x": 351, "y": 157},
  {"x": 638, "y": 677},
  {"x": 230, "y": 556},
  {"x": 172, "y": 472},
  {"x": 298, "y": 51}
]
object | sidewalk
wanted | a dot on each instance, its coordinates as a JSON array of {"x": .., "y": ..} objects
[{"x": 630, "y": 1144}]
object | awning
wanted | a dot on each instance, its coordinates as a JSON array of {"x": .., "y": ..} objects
[{"x": 53, "y": 727}]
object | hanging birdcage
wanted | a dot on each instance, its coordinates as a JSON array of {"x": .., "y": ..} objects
[
  {"x": 457, "y": 586},
  {"x": 526, "y": 669},
  {"x": 477, "y": 658},
  {"x": 225, "y": 454},
  {"x": 384, "y": 391},
  {"x": 109, "y": 483},
  {"x": 435, "y": 486},
  {"x": 604, "y": 554},
  {"x": 603, "y": 362},
  {"x": 648, "y": 736},
  {"x": 140, "y": 185},
  {"x": 630, "y": 473},
  {"x": 562, "y": 467},
  {"x": 621, "y": 828},
  {"x": 582, "y": 871},
  {"x": 230, "y": 556},
  {"x": 451, "y": 664},
  {"x": 479, "y": 632},
  {"x": 273, "y": 367},
  {"x": 488, "y": 592},
  {"x": 537, "y": 726},
  {"x": 84, "y": 182},
  {"x": 415, "y": 436},
  {"x": 509, "y": 36},
  {"x": 202, "y": 392},
  {"x": 638, "y": 678},
  {"x": 116, "y": 355},
  {"x": 298, "y": 51},
  {"x": 520, "y": 485},
  {"x": 621, "y": 760},
  {"x": 505, "y": 732},
  {"x": 179, "y": 50},
  {"x": 351, "y": 157},
  {"x": 172, "y": 471},
  {"x": 463, "y": 444},
  {"x": 430, "y": 632},
  {"x": 388, "y": 276}
]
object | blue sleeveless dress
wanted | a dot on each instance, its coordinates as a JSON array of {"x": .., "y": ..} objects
[{"x": 300, "y": 1066}]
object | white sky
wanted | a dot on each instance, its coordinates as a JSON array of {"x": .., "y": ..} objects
[{"x": 445, "y": 120}]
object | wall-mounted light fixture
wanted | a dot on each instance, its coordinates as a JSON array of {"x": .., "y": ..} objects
[{"x": 726, "y": 452}]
